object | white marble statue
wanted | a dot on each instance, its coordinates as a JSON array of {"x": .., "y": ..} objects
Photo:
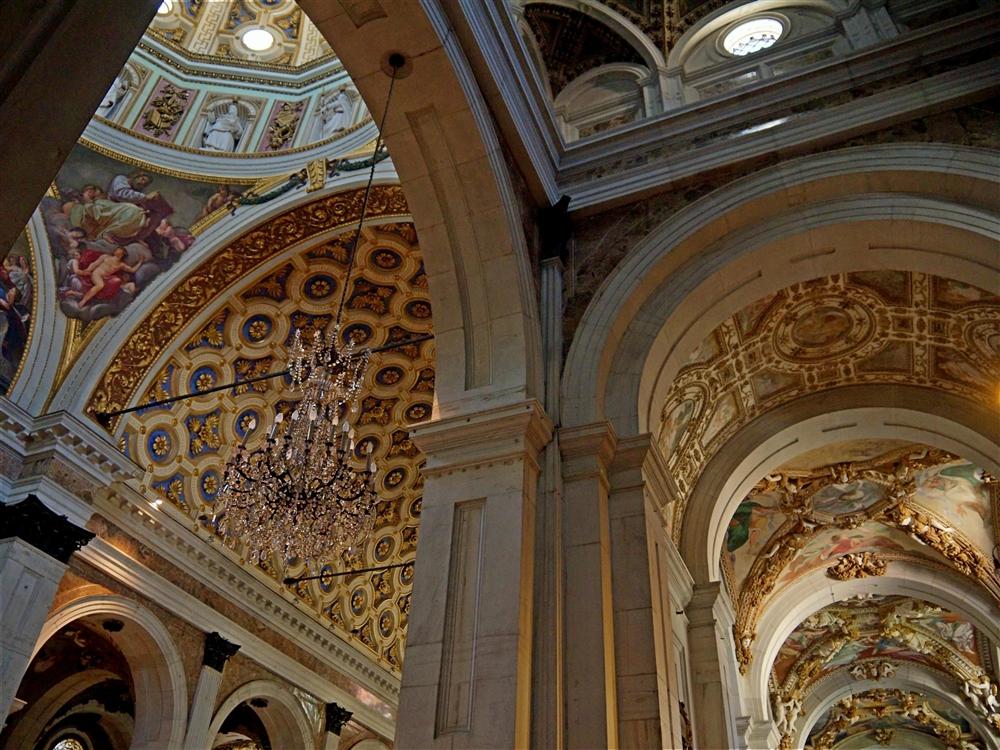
[
  {"x": 336, "y": 113},
  {"x": 223, "y": 132},
  {"x": 118, "y": 90}
]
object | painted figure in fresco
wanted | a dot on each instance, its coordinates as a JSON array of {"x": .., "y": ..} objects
[
  {"x": 103, "y": 274},
  {"x": 221, "y": 197},
  {"x": 738, "y": 532},
  {"x": 99, "y": 217},
  {"x": 13, "y": 331},
  {"x": 18, "y": 272},
  {"x": 224, "y": 131},
  {"x": 177, "y": 239}
]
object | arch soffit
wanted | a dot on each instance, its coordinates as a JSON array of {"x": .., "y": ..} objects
[
  {"x": 911, "y": 413},
  {"x": 633, "y": 305},
  {"x": 292, "y": 727},
  {"x": 460, "y": 194},
  {"x": 155, "y": 661}
]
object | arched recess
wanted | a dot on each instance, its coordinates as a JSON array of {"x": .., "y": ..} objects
[
  {"x": 909, "y": 677},
  {"x": 812, "y": 592},
  {"x": 848, "y": 210},
  {"x": 38, "y": 714},
  {"x": 283, "y": 717},
  {"x": 454, "y": 174},
  {"x": 912, "y": 413},
  {"x": 157, "y": 670}
]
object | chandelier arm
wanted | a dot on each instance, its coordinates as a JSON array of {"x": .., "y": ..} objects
[
  {"x": 298, "y": 579},
  {"x": 104, "y": 417},
  {"x": 364, "y": 201}
]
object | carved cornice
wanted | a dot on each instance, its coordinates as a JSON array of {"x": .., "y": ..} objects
[
  {"x": 32, "y": 522},
  {"x": 502, "y": 434},
  {"x": 587, "y": 450},
  {"x": 187, "y": 299},
  {"x": 218, "y": 651}
]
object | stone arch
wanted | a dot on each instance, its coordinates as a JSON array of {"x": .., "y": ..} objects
[
  {"x": 38, "y": 715},
  {"x": 910, "y": 677},
  {"x": 814, "y": 591},
  {"x": 911, "y": 413},
  {"x": 157, "y": 670},
  {"x": 284, "y": 719},
  {"x": 618, "y": 23},
  {"x": 804, "y": 218},
  {"x": 369, "y": 744},
  {"x": 454, "y": 174}
]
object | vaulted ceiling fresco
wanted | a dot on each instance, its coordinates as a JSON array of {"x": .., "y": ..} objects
[
  {"x": 184, "y": 447},
  {"x": 855, "y": 328},
  {"x": 892, "y": 718}
]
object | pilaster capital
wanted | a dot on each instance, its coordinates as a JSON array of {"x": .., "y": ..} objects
[
  {"x": 710, "y": 603},
  {"x": 498, "y": 435},
  {"x": 336, "y": 717},
  {"x": 587, "y": 450},
  {"x": 218, "y": 651},
  {"x": 32, "y": 522},
  {"x": 639, "y": 460},
  {"x": 759, "y": 734}
]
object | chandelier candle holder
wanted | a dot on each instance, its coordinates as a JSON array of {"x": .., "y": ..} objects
[{"x": 300, "y": 493}]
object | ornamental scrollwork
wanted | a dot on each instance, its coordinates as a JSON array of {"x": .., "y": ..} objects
[{"x": 857, "y": 565}]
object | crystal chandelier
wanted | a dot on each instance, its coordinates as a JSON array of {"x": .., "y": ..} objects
[{"x": 300, "y": 494}]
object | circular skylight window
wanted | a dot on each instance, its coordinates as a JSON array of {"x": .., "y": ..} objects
[
  {"x": 165, "y": 7},
  {"x": 258, "y": 39},
  {"x": 752, "y": 36}
]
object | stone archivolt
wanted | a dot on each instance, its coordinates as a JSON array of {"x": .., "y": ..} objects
[
  {"x": 224, "y": 269},
  {"x": 856, "y": 328},
  {"x": 183, "y": 448}
]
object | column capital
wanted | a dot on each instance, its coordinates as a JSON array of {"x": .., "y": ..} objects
[
  {"x": 218, "y": 651},
  {"x": 32, "y": 522},
  {"x": 587, "y": 450},
  {"x": 336, "y": 717},
  {"x": 503, "y": 433}
]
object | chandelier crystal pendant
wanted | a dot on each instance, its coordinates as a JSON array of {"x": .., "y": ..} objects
[{"x": 302, "y": 493}]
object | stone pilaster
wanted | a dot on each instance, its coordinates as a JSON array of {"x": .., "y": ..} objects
[
  {"x": 710, "y": 710},
  {"x": 336, "y": 718},
  {"x": 468, "y": 652},
  {"x": 640, "y": 490},
  {"x": 217, "y": 652},
  {"x": 590, "y": 702},
  {"x": 35, "y": 547}
]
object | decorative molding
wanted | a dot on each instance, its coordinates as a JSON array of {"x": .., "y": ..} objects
[
  {"x": 218, "y": 651},
  {"x": 30, "y": 521},
  {"x": 497, "y": 435}
]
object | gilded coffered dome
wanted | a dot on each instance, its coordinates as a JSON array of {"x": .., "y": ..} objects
[{"x": 252, "y": 32}]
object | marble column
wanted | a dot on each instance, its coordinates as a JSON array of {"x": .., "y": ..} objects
[
  {"x": 336, "y": 718},
  {"x": 646, "y": 691},
  {"x": 217, "y": 652},
  {"x": 47, "y": 95},
  {"x": 467, "y": 681},
  {"x": 35, "y": 547},
  {"x": 590, "y": 702},
  {"x": 710, "y": 712}
]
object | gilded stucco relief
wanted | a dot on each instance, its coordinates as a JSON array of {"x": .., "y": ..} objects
[{"x": 857, "y": 328}]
